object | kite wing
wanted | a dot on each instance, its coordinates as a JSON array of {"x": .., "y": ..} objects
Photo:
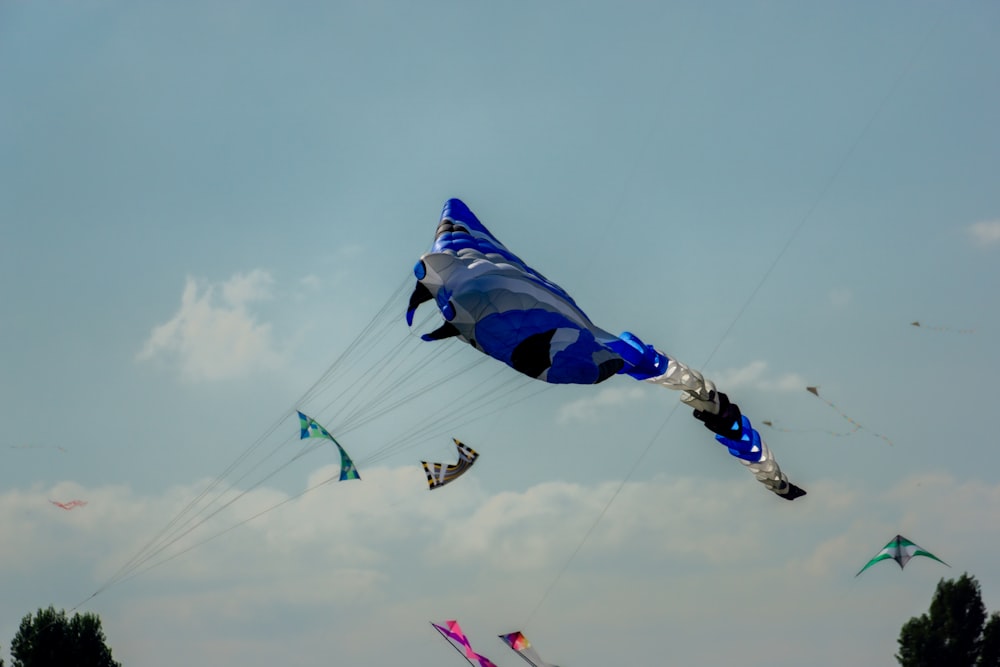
[
  {"x": 495, "y": 302},
  {"x": 311, "y": 429},
  {"x": 72, "y": 504},
  {"x": 900, "y": 550},
  {"x": 452, "y": 632},
  {"x": 520, "y": 644},
  {"x": 490, "y": 299},
  {"x": 439, "y": 474}
]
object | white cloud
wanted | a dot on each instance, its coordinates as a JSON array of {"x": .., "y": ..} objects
[
  {"x": 841, "y": 297},
  {"x": 754, "y": 375},
  {"x": 592, "y": 407},
  {"x": 311, "y": 281},
  {"x": 350, "y": 251},
  {"x": 214, "y": 336},
  {"x": 359, "y": 567},
  {"x": 351, "y": 535},
  {"x": 747, "y": 376},
  {"x": 338, "y": 268},
  {"x": 533, "y": 530},
  {"x": 243, "y": 288},
  {"x": 986, "y": 232}
]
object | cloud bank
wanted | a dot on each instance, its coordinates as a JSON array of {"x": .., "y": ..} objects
[
  {"x": 359, "y": 567},
  {"x": 214, "y": 335},
  {"x": 985, "y": 233}
]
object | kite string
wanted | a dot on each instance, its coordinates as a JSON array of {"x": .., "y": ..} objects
[
  {"x": 171, "y": 532},
  {"x": 838, "y": 170},
  {"x": 629, "y": 179},
  {"x": 165, "y": 536},
  {"x": 143, "y": 565},
  {"x": 196, "y": 512},
  {"x": 848, "y": 418},
  {"x": 231, "y": 528},
  {"x": 603, "y": 512}
]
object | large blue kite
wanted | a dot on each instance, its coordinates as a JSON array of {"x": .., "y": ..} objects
[{"x": 495, "y": 302}]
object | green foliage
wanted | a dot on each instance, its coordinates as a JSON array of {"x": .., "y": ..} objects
[
  {"x": 918, "y": 646},
  {"x": 49, "y": 639},
  {"x": 989, "y": 650},
  {"x": 954, "y": 632}
]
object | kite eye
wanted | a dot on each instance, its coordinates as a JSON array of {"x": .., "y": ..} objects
[
  {"x": 448, "y": 311},
  {"x": 419, "y": 270}
]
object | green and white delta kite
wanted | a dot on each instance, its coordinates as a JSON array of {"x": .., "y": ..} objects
[{"x": 900, "y": 550}]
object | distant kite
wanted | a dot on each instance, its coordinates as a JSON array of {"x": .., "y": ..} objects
[
  {"x": 439, "y": 474},
  {"x": 519, "y": 643},
  {"x": 839, "y": 434},
  {"x": 900, "y": 550},
  {"x": 61, "y": 449},
  {"x": 310, "y": 429},
  {"x": 452, "y": 632},
  {"x": 857, "y": 427},
  {"x": 949, "y": 329},
  {"x": 72, "y": 504}
]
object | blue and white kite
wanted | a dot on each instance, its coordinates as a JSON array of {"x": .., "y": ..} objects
[{"x": 493, "y": 301}]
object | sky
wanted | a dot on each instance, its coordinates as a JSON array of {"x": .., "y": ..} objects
[{"x": 209, "y": 214}]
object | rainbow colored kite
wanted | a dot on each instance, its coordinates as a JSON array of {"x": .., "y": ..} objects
[{"x": 520, "y": 644}]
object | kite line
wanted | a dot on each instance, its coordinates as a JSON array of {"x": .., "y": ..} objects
[{"x": 834, "y": 177}]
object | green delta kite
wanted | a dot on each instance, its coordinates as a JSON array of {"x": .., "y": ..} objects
[{"x": 900, "y": 550}]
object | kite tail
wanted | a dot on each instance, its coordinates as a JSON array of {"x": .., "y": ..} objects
[
  {"x": 713, "y": 408},
  {"x": 734, "y": 430}
]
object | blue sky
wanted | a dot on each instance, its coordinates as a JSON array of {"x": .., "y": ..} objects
[{"x": 204, "y": 204}]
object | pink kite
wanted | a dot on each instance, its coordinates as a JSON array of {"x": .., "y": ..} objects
[
  {"x": 452, "y": 632},
  {"x": 73, "y": 504}
]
